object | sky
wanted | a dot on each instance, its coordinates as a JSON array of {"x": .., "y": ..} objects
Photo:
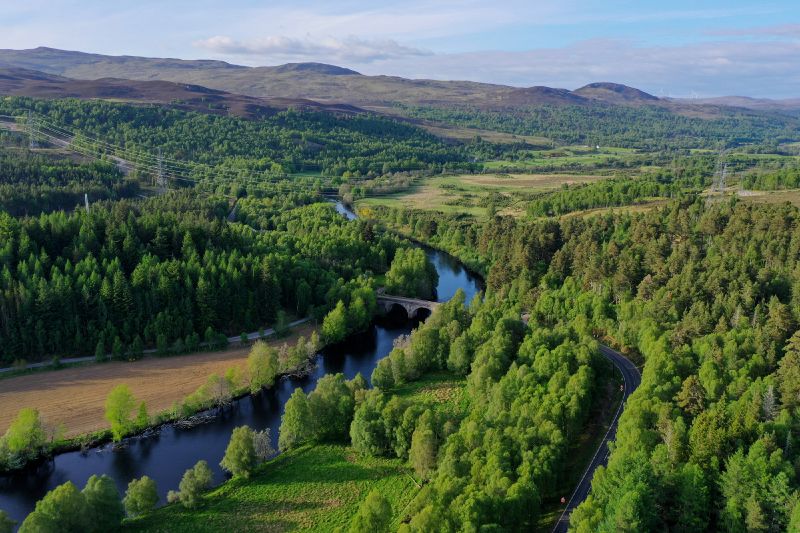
[{"x": 673, "y": 48}]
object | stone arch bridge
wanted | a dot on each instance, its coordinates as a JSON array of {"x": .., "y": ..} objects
[{"x": 411, "y": 305}]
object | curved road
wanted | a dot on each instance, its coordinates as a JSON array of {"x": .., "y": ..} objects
[{"x": 631, "y": 378}]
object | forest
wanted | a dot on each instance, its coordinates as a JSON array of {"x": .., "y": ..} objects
[
  {"x": 647, "y": 126},
  {"x": 31, "y": 184},
  {"x": 707, "y": 295},
  {"x": 701, "y": 292},
  {"x": 166, "y": 269}
]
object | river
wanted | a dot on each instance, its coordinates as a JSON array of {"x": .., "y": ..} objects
[{"x": 171, "y": 451}]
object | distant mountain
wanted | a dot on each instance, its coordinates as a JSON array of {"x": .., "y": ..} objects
[
  {"x": 615, "y": 93},
  {"x": 25, "y": 82},
  {"x": 758, "y": 104},
  {"x": 319, "y": 84},
  {"x": 314, "y": 81},
  {"x": 318, "y": 68}
]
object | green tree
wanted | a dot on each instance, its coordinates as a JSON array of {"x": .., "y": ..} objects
[
  {"x": 334, "y": 325},
  {"x": 142, "y": 418},
  {"x": 422, "y": 454},
  {"x": 140, "y": 497},
  {"x": 119, "y": 405},
  {"x": 117, "y": 349},
  {"x": 794, "y": 520},
  {"x": 262, "y": 365},
  {"x": 63, "y": 509},
  {"x": 26, "y": 436},
  {"x": 374, "y": 515},
  {"x": 331, "y": 407},
  {"x": 262, "y": 443},
  {"x": 411, "y": 274},
  {"x": 383, "y": 376},
  {"x": 296, "y": 425},
  {"x": 137, "y": 348},
  {"x": 100, "y": 351},
  {"x": 104, "y": 510},
  {"x": 194, "y": 482},
  {"x": 368, "y": 430},
  {"x": 789, "y": 373},
  {"x": 240, "y": 455}
]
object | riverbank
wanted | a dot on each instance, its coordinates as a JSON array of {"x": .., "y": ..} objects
[
  {"x": 75, "y": 397},
  {"x": 69, "y": 362}
]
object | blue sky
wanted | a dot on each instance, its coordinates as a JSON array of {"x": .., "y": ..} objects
[{"x": 677, "y": 48}]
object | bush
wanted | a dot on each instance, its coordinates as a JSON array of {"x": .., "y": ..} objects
[
  {"x": 195, "y": 481},
  {"x": 373, "y": 516},
  {"x": 141, "y": 496}
]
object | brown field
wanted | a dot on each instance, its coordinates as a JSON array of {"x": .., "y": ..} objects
[
  {"x": 771, "y": 197},
  {"x": 76, "y": 396}
]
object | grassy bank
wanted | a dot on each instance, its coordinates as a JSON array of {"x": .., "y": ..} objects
[{"x": 313, "y": 488}]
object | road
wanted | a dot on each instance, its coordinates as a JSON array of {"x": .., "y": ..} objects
[
  {"x": 231, "y": 340},
  {"x": 632, "y": 378}
]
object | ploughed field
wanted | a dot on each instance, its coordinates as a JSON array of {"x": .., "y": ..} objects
[{"x": 75, "y": 397}]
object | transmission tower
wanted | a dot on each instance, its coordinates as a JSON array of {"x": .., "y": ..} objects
[
  {"x": 722, "y": 177},
  {"x": 161, "y": 181},
  {"x": 32, "y": 134}
]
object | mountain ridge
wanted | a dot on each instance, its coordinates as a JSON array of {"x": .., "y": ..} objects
[{"x": 325, "y": 84}]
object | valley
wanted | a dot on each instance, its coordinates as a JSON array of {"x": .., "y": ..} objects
[{"x": 490, "y": 307}]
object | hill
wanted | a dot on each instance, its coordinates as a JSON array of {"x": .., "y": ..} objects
[
  {"x": 35, "y": 84},
  {"x": 314, "y": 81},
  {"x": 326, "y": 84},
  {"x": 615, "y": 93},
  {"x": 756, "y": 104}
]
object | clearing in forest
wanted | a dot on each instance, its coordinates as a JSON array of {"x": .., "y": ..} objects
[{"x": 474, "y": 193}]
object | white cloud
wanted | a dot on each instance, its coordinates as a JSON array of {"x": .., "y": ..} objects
[
  {"x": 349, "y": 49},
  {"x": 779, "y": 30},
  {"x": 713, "y": 68}
]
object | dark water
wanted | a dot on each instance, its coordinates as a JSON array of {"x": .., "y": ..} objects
[{"x": 167, "y": 455}]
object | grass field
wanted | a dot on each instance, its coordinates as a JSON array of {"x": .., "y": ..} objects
[
  {"x": 313, "y": 488},
  {"x": 443, "y": 390},
  {"x": 75, "y": 397},
  {"x": 468, "y": 193}
]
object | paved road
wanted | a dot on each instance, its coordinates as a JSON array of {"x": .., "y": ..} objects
[
  {"x": 231, "y": 340},
  {"x": 632, "y": 379}
]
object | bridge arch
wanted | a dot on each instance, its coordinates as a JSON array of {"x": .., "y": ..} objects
[{"x": 413, "y": 307}]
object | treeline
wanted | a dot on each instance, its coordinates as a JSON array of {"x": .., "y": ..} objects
[
  {"x": 31, "y": 184},
  {"x": 707, "y": 294},
  {"x": 290, "y": 141},
  {"x": 613, "y": 192},
  {"x": 646, "y": 127},
  {"x": 785, "y": 178},
  {"x": 169, "y": 269}
]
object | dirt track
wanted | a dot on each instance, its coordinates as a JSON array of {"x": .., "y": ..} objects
[{"x": 76, "y": 396}]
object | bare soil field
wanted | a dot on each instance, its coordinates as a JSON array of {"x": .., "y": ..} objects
[{"x": 76, "y": 396}]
